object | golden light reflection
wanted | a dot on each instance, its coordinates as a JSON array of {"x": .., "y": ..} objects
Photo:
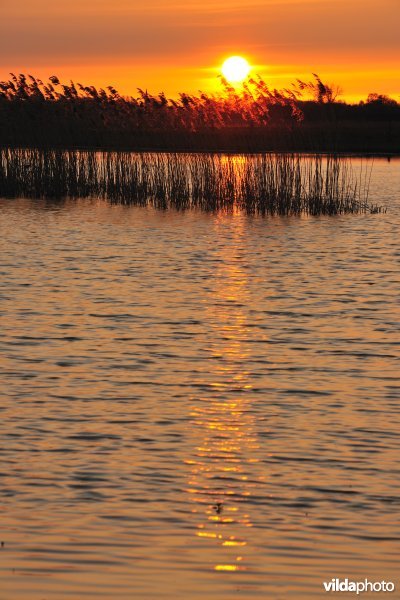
[
  {"x": 226, "y": 567},
  {"x": 222, "y": 474}
]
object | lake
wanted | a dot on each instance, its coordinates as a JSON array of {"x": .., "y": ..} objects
[{"x": 198, "y": 404}]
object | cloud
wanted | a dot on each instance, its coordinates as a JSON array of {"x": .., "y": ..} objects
[{"x": 186, "y": 33}]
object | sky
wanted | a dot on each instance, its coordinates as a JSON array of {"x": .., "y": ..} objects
[{"x": 179, "y": 45}]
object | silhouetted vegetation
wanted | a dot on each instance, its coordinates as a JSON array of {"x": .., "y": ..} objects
[
  {"x": 267, "y": 183},
  {"x": 307, "y": 117}
]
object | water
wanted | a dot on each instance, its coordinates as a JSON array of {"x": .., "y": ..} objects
[{"x": 198, "y": 405}]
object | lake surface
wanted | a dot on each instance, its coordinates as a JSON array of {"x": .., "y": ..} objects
[{"x": 198, "y": 405}]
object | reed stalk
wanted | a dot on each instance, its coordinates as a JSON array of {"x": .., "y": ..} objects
[{"x": 276, "y": 184}]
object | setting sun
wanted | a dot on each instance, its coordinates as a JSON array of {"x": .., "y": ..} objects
[{"x": 235, "y": 69}]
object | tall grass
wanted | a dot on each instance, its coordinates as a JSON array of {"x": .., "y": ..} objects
[
  {"x": 284, "y": 184},
  {"x": 252, "y": 117},
  {"x": 53, "y": 114}
]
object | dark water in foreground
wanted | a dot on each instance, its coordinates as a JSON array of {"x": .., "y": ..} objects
[{"x": 198, "y": 405}]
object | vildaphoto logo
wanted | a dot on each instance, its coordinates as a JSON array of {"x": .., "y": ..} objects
[{"x": 345, "y": 585}]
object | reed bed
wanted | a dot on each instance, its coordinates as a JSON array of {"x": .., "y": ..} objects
[{"x": 277, "y": 184}]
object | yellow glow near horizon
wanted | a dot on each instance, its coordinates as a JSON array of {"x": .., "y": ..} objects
[
  {"x": 130, "y": 44},
  {"x": 235, "y": 69}
]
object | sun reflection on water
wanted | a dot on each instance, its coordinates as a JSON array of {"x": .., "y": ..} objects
[{"x": 222, "y": 474}]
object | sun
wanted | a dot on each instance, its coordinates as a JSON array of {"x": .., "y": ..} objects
[{"x": 235, "y": 69}]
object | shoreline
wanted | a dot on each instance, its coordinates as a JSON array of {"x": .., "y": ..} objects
[{"x": 215, "y": 151}]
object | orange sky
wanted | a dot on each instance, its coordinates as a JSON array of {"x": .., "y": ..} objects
[{"x": 178, "y": 45}]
